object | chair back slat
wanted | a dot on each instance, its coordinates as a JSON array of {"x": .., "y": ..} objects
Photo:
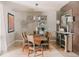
[{"x": 24, "y": 37}]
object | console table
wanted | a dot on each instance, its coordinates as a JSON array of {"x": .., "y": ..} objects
[{"x": 68, "y": 40}]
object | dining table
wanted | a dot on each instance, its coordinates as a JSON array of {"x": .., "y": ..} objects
[{"x": 42, "y": 39}]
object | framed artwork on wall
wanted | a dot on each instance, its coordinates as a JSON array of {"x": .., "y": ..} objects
[{"x": 10, "y": 23}]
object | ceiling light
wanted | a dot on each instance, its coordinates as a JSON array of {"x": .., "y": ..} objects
[{"x": 36, "y": 4}]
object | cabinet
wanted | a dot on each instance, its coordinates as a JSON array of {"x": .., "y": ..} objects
[
  {"x": 61, "y": 39},
  {"x": 64, "y": 38}
]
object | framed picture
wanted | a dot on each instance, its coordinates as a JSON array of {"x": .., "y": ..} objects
[{"x": 10, "y": 22}]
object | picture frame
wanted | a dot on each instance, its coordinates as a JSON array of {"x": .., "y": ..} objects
[{"x": 10, "y": 23}]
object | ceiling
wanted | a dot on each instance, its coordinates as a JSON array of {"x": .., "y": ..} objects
[{"x": 42, "y": 5}]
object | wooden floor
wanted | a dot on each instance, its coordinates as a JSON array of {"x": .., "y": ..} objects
[{"x": 54, "y": 51}]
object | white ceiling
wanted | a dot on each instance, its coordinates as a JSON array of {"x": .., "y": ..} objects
[{"x": 43, "y": 5}]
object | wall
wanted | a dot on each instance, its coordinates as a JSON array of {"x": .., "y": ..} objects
[
  {"x": 18, "y": 17},
  {"x": 9, "y": 36},
  {"x": 20, "y": 24},
  {"x": 20, "y": 20},
  {"x": 74, "y": 6},
  {"x": 51, "y": 21},
  {"x": 31, "y": 26}
]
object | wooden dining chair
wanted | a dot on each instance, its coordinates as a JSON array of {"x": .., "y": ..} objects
[
  {"x": 36, "y": 45},
  {"x": 25, "y": 41},
  {"x": 48, "y": 36}
]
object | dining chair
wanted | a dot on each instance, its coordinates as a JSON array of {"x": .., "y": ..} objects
[
  {"x": 36, "y": 45},
  {"x": 47, "y": 42},
  {"x": 49, "y": 37},
  {"x": 25, "y": 41}
]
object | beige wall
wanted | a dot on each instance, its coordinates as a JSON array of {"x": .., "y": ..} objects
[
  {"x": 9, "y": 38},
  {"x": 31, "y": 26},
  {"x": 51, "y": 21}
]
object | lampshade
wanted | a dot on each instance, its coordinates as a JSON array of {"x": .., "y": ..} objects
[
  {"x": 36, "y": 29},
  {"x": 70, "y": 19},
  {"x": 61, "y": 29},
  {"x": 34, "y": 17},
  {"x": 58, "y": 22},
  {"x": 39, "y": 18}
]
